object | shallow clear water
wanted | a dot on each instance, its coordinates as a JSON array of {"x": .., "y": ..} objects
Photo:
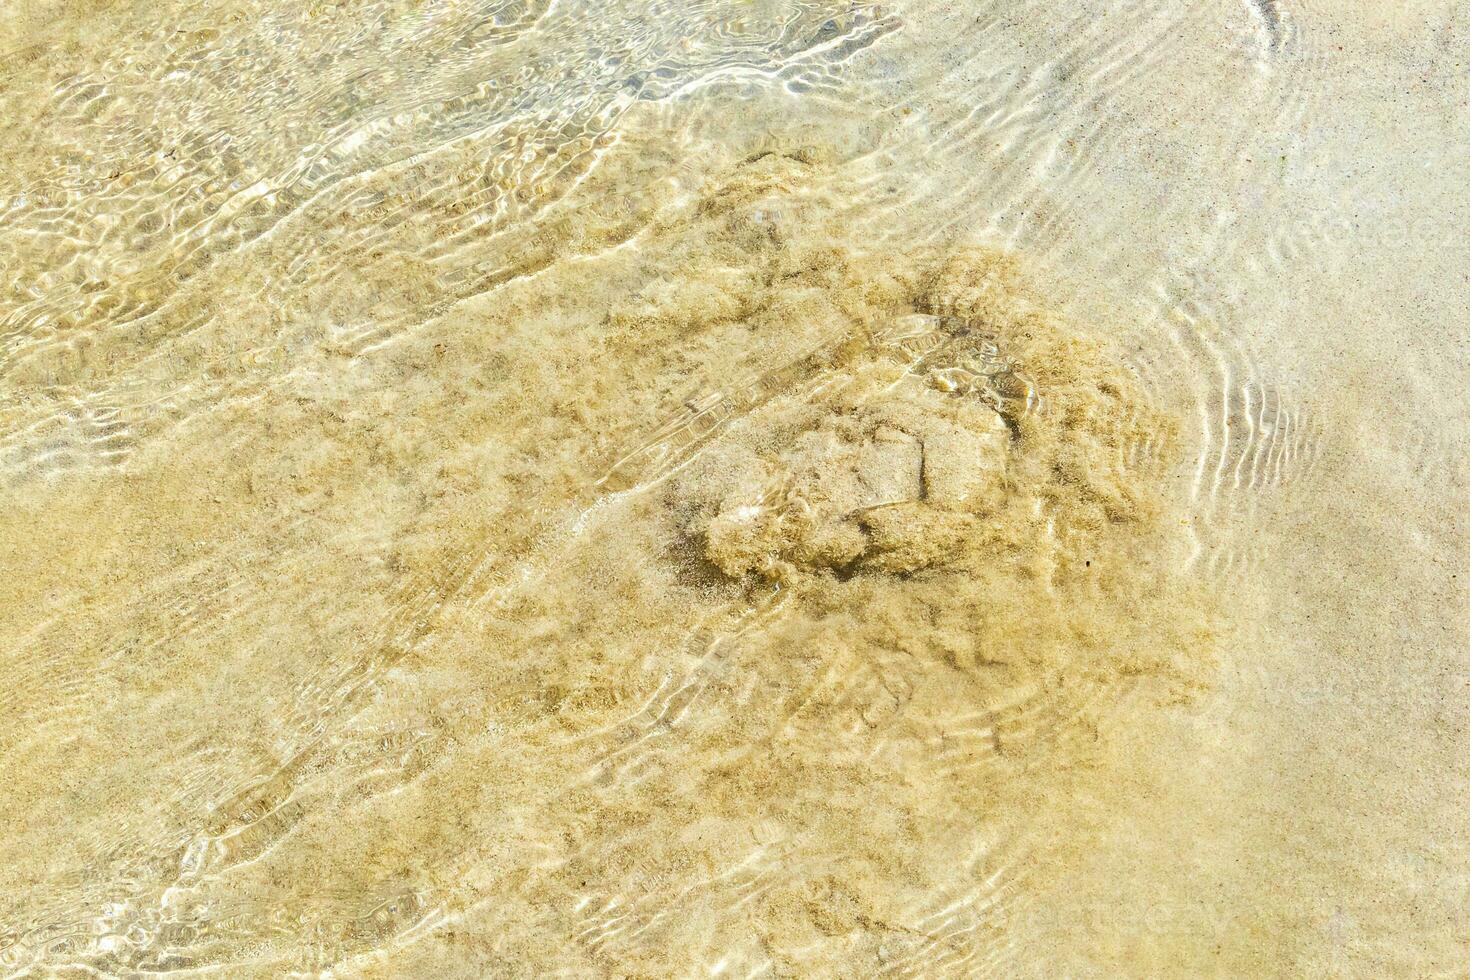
[{"x": 669, "y": 489}]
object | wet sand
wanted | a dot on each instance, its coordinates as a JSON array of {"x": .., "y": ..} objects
[{"x": 847, "y": 492}]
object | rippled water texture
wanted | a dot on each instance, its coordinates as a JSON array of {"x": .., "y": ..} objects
[{"x": 683, "y": 488}]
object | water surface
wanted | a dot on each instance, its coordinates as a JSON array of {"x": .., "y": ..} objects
[{"x": 666, "y": 489}]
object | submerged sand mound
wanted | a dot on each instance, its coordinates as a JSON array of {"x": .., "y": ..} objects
[
  {"x": 934, "y": 448},
  {"x": 866, "y": 488}
]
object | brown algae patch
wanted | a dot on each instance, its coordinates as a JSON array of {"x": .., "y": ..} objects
[
  {"x": 922, "y": 562},
  {"x": 891, "y": 559},
  {"x": 978, "y": 458},
  {"x": 867, "y": 553}
]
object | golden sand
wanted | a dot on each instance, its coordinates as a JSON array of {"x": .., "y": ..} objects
[{"x": 647, "y": 490}]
